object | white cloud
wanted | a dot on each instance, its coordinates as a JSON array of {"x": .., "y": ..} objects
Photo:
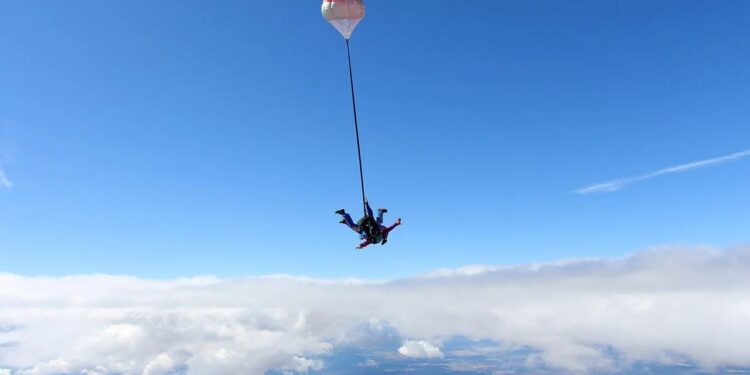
[
  {"x": 167, "y": 363},
  {"x": 614, "y": 185},
  {"x": 304, "y": 365},
  {"x": 653, "y": 306},
  {"x": 420, "y": 349}
]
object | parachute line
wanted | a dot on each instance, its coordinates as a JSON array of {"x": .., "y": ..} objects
[{"x": 356, "y": 129}]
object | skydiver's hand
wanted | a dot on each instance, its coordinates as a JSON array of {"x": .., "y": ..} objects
[{"x": 398, "y": 221}]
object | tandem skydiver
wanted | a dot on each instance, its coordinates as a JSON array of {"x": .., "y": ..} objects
[{"x": 369, "y": 228}]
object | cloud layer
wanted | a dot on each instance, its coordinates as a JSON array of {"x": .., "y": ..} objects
[
  {"x": 614, "y": 185},
  {"x": 653, "y": 306}
]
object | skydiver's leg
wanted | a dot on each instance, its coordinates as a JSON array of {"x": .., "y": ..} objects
[
  {"x": 379, "y": 219},
  {"x": 368, "y": 208},
  {"x": 350, "y": 223}
]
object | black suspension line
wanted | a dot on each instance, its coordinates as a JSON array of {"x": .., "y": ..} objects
[{"x": 356, "y": 130}]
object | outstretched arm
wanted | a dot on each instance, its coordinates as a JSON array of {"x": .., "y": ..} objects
[
  {"x": 387, "y": 230},
  {"x": 364, "y": 244}
]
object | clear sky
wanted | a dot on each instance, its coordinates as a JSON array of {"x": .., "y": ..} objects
[{"x": 177, "y": 138}]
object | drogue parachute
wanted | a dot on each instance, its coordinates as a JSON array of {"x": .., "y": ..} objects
[{"x": 344, "y": 15}]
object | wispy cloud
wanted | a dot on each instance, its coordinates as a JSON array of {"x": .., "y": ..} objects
[
  {"x": 614, "y": 185},
  {"x": 571, "y": 314},
  {"x": 4, "y": 181},
  {"x": 5, "y": 157}
]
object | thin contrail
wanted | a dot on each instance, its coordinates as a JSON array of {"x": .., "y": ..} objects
[{"x": 614, "y": 185}]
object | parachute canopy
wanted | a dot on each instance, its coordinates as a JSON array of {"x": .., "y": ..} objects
[{"x": 344, "y": 15}]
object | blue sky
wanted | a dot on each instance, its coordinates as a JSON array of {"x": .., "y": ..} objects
[{"x": 183, "y": 137}]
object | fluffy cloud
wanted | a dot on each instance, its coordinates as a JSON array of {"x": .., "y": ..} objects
[
  {"x": 303, "y": 365},
  {"x": 420, "y": 349},
  {"x": 653, "y": 306}
]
